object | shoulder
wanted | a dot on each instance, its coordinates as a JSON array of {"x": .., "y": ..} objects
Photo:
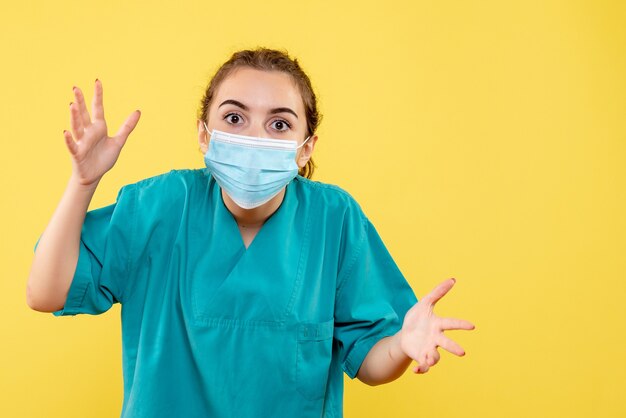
[
  {"x": 175, "y": 180},
  {"x": 174, "y": 177},
  {"x": 331, "y": 198},
  {"x": 327, "y": 192},
  {"x": 173, "y": 187}
]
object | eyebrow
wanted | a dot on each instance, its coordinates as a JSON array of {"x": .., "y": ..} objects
[{"x": 244, "y": 107}]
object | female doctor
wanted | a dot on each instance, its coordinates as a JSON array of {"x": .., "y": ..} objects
[{"x": 247, "y": 288}]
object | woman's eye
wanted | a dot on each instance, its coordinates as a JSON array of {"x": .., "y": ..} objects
[
  {"x": 281, "y": 125},
  {"x": 233, "y": 118}
]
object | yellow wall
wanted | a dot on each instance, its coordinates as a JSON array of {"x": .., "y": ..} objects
[{"x": 486, "y": 140}]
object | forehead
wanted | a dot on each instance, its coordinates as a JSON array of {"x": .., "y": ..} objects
[{"x": 260, "y": 89}]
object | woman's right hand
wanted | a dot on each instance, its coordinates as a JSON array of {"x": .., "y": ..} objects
[{"x": 93, "y": 151}]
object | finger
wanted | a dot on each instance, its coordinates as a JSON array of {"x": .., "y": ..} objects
[
  {"x": 127, "y": 127},
  {"x": 82, "y": 108},
  {"x": 453, "y": 323},
  {"x": 76, "y": 122},
  {"x": 416, "y": 356},
  {"x": 422, "y": 364},
  {"x": 439, "y": 291},
  {"x": 450, "y": 345},
  {"x": 417, "y": 368},
  {"x": 432, "y": 357},
  {"x": 429, "y": 360},
  {"x": 69, "y": 141},
  {"x": 97, "y": 108},
  {"x": 414, "y": 353},
  {"x": 436, "y": 356}
]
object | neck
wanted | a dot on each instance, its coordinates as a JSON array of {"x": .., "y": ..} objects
[{"x": 255, "y": 217}]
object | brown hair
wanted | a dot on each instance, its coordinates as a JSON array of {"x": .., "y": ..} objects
[{"x": 269, "y": 60}]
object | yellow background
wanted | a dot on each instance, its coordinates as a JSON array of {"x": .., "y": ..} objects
[{"x": 486, "y": 140}]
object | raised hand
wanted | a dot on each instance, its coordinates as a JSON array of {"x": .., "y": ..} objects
[
  {"x": 422, "y": 330},
  {"x": 93, "y": 151}
]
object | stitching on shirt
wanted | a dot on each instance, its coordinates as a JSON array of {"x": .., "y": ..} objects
[
  {"x": 259, "y": 323},
  {"x": 352, "y": 262},
  {"x": 299, "y": 271},
  {"x": 364, "y": 221},
  {"x": 327, "y": 186},
  {"x": 133, "y": 228},
  {"x": 240, "y": 323},
  {"x": 350, "y": 365},
  {"x": 82, "y": 299}
]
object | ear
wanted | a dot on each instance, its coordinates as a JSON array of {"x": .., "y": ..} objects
[
  {"x": 203, "y": 138},
  {"x": 306, "y": 151}
]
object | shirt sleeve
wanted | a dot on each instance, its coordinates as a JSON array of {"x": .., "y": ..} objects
[
  {"x": 105, "y": 249},
  {"x": 372, "y": 297}
]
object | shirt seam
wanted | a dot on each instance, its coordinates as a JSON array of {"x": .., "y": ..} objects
[
  {"x": 359, "y": 352},
  {"x": 79, "y": 286},
  {"x": 352, "y": 261},
  {"x": 133, "y": 227},
  {"x": 321, "y": 185},
  {"x": 304, "y": 250}
]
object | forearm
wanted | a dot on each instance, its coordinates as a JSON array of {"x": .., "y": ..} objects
[
  {"x": 55, "y": 258},
  {"x": 385, "y": 362}
]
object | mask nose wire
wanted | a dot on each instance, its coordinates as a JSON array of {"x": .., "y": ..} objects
[{"x": 207, "y": 131}]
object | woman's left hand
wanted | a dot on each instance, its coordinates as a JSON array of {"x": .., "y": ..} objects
[{"x": 422, "y": 330}]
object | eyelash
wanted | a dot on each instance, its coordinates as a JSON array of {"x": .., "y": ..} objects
[{"x": 281, "y": 120}]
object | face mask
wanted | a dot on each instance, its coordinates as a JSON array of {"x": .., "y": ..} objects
[{"x": 251, "y": 170}]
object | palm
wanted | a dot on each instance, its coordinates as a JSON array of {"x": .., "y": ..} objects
[
  {"x": 93, "y": 151},
  {"x": 422, "y": 330}
]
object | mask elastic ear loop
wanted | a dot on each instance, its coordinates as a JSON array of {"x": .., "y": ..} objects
[
  {"x": 303, "y": 142},
  {"x": 206, "y": 128}
]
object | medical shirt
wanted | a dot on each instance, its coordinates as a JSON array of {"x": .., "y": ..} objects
[{"x": 212, "y": 329}]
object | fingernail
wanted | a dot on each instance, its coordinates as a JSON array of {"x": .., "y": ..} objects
[
  {"x": 454, "y": 279},
  {"x": 71, "y": 103},
  {"x": 73, "y": 87},
  {"x": 96, "y": 79}
]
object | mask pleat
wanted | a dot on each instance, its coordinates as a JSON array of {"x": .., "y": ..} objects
[{"x": 250, "y": 174}]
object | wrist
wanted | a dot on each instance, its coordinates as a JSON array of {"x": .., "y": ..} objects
[
  {"x": 395, "y": 348},
  {"x": 76, "y": 184}
]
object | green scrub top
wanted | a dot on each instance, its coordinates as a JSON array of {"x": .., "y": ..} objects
[{"x": 212, "y": 329}]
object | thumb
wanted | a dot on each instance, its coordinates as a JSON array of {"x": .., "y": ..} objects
[{"x": 127, "y": 127}]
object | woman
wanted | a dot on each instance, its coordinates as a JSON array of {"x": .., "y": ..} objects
[{"x": 246, "y": 287}]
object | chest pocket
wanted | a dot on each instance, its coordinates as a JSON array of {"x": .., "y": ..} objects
[{"x": 313, "y": 358}]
